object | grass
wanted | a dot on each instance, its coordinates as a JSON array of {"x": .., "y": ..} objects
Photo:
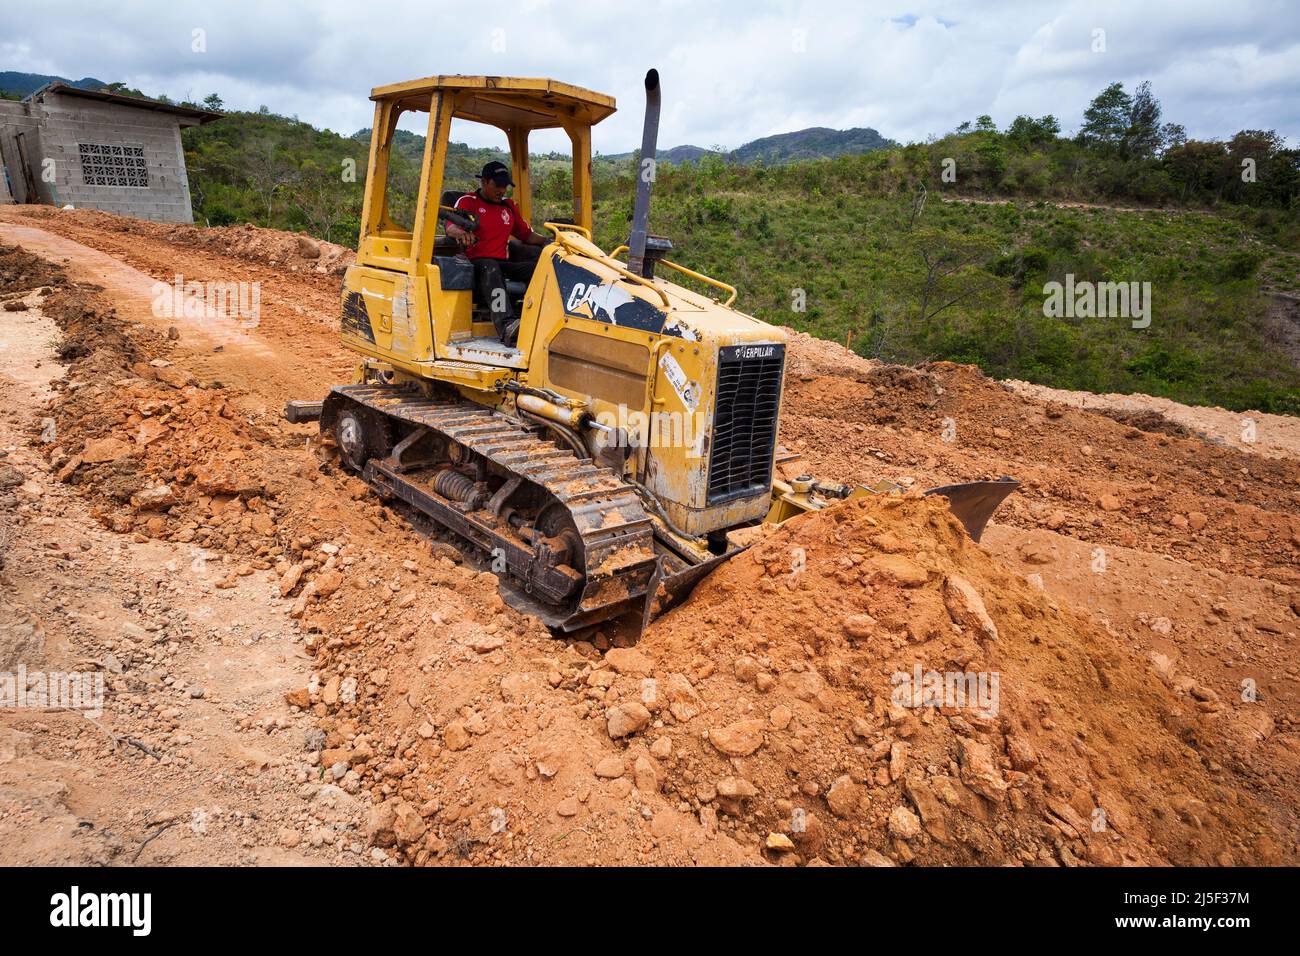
[{"x": 858, "y": 259}]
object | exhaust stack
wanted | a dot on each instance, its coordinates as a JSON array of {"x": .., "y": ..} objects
[{"x": 636, "y": 242}]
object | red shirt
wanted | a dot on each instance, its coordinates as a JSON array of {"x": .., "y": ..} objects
[{"x": 497, "y": 222}]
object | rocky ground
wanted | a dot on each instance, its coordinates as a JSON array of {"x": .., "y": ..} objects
[{"x": 295, "y": 674}]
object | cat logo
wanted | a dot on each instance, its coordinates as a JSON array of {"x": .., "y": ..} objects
[
  {"x": 599, "y": 297},
  {"x": 606, "y": 300}
]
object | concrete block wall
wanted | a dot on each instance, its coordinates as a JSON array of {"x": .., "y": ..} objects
[{"x": 68, "y": 121}]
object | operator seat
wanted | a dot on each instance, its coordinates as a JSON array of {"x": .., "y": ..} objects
[{"x": 455, "y": 269}]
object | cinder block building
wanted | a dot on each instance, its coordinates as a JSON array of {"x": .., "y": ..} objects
[{"x": 97, "y": 150}]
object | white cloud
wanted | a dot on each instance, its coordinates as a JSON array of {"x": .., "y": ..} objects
[{"x": 731, "y": 71}]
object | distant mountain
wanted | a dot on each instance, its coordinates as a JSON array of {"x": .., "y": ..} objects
[
  {"x": 462, "y": 161},
  {"x": 683, "y": 154},
  {"x": 20, "y": 84},
  {"x": 816, "y": 142},
  {"x": 674, "y": 154}
]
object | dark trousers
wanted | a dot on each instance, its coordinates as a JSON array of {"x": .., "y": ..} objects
[{"x": 490, "y": 277}]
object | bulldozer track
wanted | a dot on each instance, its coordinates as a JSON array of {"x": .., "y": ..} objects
[{"x": 617, "y": 536}]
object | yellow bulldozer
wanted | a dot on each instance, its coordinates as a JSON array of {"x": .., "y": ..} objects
[{"x": 625, "y": 441}]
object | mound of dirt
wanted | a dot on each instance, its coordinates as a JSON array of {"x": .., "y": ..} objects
[
  {"x": 289, "y": 251},
  {"x": 1251, "y": 431},
  {"x": 1148, "y": 420},
  {"x": 163, "y": 454},
  {"x": 942, "y": 422},
  {"x": 21, "y": 272},
  {"x": 272, "y": 247},
  {"x": 805, "y": 705},
  {"x": 811, "y": 356},
  {"x": 867, "y": 685}
]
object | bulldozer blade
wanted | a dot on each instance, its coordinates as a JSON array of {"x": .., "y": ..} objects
[
  {"x": 974, "y": 502},
  {"x": 666, "y": 591}
]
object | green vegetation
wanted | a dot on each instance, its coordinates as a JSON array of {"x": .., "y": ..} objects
[
  {"x": 916, "y": 278},
  {"x": 276, "y": 171}
]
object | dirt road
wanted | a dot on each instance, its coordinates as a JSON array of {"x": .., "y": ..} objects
[
  {"x": 187, "y": 764},
  {"x": 293, "y": 310},
  {"x": 395, "y": 709}
]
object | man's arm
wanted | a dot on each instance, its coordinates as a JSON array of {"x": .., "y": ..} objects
[
  {"x": 522, "y": 231},
  {"x": 459, "y": 234},
  {"x": 463, "y": 236}
]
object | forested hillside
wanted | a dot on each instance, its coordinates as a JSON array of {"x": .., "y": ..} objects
[{"x": 935, "y": 250}]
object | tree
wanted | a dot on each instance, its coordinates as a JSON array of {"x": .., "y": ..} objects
[
  {"x": 1195, "y": 169},
  {"x": 325, "y": 200},
  {"x": 1172, "y": 134},
  {"x": 1106, "y": 119},
  {"x": 1273, "y": 172},
  {"x": 992, "y": 160},
  {"x": 213, "y": 102},
  {"x": 268, "y": 173},
  {"x": 1128, "y": 125},
  {"x": 1027, "y": 131},
  {"x": 917, "y": 206},
  {"x": 1142, "y": 139},
  {"x": 950, "y": 271},
  {"x": 125, "y": 90}
]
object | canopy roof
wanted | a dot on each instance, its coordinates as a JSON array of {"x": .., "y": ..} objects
[{"x": 504, "y": 101}]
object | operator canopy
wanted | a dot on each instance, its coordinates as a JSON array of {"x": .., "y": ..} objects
[{"x": 505, "y": 101}]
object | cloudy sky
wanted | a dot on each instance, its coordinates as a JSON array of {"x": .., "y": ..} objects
[{"x": 732, "y": 71}]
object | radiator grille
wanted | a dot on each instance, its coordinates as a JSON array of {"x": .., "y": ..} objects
[{"x": 744, "y": 420}]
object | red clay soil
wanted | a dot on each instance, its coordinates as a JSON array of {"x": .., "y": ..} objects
[{"x": 762, "y": 722}]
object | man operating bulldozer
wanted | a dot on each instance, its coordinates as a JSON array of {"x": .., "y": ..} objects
[
  {"x": 510, "y": 448},
  {"x": 495, "y": 261}
]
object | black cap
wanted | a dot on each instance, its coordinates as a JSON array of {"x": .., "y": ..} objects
[{"x": 498, "y": 172}]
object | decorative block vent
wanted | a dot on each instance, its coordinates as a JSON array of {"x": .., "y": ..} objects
[{"x": 113, "y": 165}]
